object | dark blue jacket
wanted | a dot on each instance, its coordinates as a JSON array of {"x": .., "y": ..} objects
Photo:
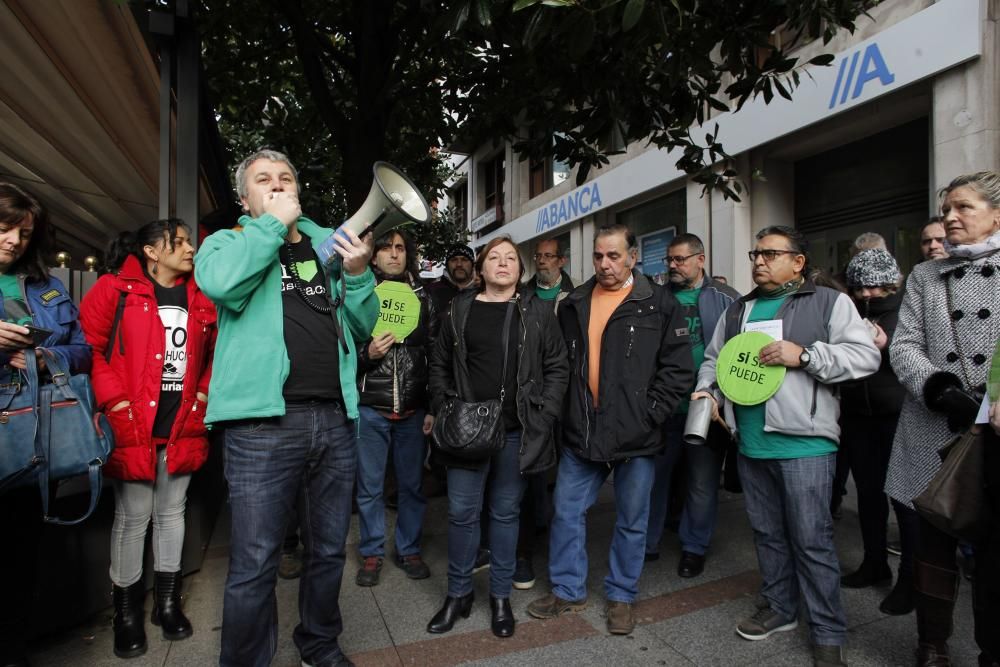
[
  {"x": 713, "y": 301},
  {"x": 50, "y": 306}
]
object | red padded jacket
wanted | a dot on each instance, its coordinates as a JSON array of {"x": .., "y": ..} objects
[{"x": 135, "y": 376}]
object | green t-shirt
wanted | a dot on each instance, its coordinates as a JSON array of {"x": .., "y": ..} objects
[
  {"x": 757, "y": 443},
  {"x": 689, "y": 306},
  {"x": 547, "y": 293},
  {"x": 14, "y": 308}
]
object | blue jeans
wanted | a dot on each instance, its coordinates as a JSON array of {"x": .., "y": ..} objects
[
  {"x": 465, "y": 498},
  {"x": 266, "y": 463},
  {"x": 577, "y": 484},
  {"x": 788, "y": 502},
  {"x": 703, "y": 465},
  {"x": 376, "y": 435}
]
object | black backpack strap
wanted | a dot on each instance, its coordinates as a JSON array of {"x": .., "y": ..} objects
[{"x": 116, "y": 330}]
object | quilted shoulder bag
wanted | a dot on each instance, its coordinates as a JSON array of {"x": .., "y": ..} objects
[
  {"x": 51, "y": 431},
  {"x": 473, "y": 431}
]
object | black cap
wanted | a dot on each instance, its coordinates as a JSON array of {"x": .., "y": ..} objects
[{"x": 459, "y": 250}]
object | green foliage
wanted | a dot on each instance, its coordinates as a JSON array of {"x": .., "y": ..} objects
[
  {"x": 338, "y": 85},
  {"x": 603, "y": 71},
  {"x": 447, "y": 228}
]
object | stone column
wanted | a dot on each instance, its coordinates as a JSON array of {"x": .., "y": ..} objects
[{"x": 966, "y": 115}]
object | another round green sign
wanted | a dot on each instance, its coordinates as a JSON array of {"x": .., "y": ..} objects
[
  {"x": 743, "y": 379},
  {"x": 398, "y": 309}
]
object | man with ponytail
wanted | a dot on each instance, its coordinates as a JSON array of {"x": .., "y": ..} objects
[
  {"x": 284, "y": 392},
  {"x": 153, "y": 332}
]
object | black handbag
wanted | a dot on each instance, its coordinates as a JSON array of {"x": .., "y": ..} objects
[
  {"x": 52, "y": 431},
  {"x": 473, "y": 431},
  {"x": 955, "y": 500}
]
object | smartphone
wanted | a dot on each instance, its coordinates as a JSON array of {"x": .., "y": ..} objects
[{"x": 38, "y": 334}]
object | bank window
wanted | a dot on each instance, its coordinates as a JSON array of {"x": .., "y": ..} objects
[
  {"x": 544, "y": 174},
  {"x": 493, "y": 175}
]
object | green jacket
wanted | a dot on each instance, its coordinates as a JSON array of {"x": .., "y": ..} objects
[{"x": 239, "y": 271}]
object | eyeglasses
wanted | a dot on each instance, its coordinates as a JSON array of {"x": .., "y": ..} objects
[
  {"x": 770, "y": 255},
  {"x": 679, "y": 259},
  {"x": 545, "y": 255}
]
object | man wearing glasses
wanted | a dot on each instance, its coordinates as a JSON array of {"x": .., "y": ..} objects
[
  {"x": 550, "y": 282},
  {"x": 788, "y": 443},
  {"x": 703, "y": 302}
]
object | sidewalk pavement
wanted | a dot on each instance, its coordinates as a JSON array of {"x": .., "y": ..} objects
[{"x": 680, "y": 621}]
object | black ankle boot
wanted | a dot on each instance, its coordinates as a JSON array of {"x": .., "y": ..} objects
[
  {"x": 444, "y": 620},
  {"x": 900, "y": 601},
  {"x": 501, "y": 617},
  {"x": 167, "y": 607},
  {"x": 130, "y": 635}
]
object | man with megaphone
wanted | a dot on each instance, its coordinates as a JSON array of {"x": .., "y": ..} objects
[{"x": 284, "y": 391}]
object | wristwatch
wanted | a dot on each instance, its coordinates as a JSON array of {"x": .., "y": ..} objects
[{"x": 805, "y": 357}]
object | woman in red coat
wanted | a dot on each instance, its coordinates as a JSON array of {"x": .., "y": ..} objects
[{"x": 153, "y": 334}]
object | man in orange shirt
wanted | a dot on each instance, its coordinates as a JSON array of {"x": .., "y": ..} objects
[{"x": 631, "y": 355}]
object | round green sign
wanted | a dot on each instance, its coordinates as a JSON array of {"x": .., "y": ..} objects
[
  {"x": 398, "y": 309},
  {"x": 743, "y": 379}
]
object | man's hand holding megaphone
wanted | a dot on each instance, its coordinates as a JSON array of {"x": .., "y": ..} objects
[{"x": 354, "y": 251}]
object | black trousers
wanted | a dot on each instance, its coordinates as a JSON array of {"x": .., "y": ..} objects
[
  {"x": 21, "y": 526},
  {"x": 909, "y": 533},
  {"x": 866, "y": 442}
]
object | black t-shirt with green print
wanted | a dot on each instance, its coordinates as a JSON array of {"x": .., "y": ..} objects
[{"x": 310, "y": 336}]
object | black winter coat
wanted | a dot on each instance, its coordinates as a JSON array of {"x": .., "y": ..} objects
[
  {"x": 541, "y": 374},
  {"x": 398, "y": 381},
  {"x": 881, "y": 393},
  {"x": 646, "y": 368}
]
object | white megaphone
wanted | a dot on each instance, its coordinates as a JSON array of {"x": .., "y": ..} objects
[{"x": 392, "y": 201}]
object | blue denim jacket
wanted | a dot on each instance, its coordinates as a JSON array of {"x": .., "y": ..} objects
[{"x": 51, "y": 308}]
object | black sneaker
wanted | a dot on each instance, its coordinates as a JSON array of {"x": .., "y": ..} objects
[
  {"x": 524, "y": 574},
  {"x": 414, "y": 566},
  {"x": 482, "y": 560},
  {"x": 369, "y": 572}
]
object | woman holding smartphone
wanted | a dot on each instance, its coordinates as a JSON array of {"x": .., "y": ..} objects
[
  {"x": 35, "y": 312},
  {"x": 153, "y": 334}
]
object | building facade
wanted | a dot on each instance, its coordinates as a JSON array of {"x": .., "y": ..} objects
[{"x": 911, "y": 100}]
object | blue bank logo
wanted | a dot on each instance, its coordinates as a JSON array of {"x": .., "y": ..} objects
[
  {"x": 872, "y": 67},
  {"x": 577, "y": 203}
]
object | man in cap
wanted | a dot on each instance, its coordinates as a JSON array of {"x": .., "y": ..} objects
[{"x": 458, "y": 275}]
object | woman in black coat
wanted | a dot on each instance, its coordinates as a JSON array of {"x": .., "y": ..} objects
[{"x": 470, "y": 363}]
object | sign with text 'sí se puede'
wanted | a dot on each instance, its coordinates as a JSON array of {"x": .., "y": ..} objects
[
  {"x": 742, "y": 378},
  {"x": 398, "y": 309}
]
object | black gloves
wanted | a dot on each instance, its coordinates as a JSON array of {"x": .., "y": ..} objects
[{"x": 943, "y": 392}]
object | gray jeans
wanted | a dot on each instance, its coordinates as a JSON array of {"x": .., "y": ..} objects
[{"x": 135, "y": 503}]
